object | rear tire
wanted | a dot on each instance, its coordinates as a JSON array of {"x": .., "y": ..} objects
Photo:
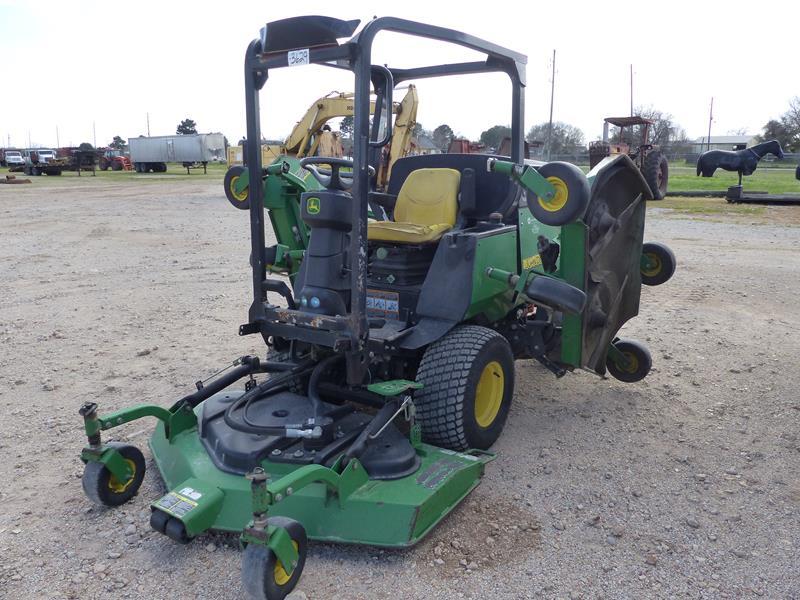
[
  {"x": 468, "y": 384},
  {"x": 656, "y": 174}
]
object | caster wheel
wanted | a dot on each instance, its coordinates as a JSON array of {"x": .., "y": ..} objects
[
  {"x": 571, "y": 199},
  {"x": 242, "y": 199},
  {"x": 103, "y": 488},
  {"x": 263, "y": 575},
  {"x": 639, "y": 361},
  {"x": 658, "y": 263},
  {"x": 176, "y": 531},
  {"x": 158, "y": 520}
]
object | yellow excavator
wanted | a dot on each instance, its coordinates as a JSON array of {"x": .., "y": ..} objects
[{"x": 304, "y": 140}]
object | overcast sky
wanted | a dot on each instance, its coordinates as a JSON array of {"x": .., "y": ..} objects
[{"x": 67, "y": 65}]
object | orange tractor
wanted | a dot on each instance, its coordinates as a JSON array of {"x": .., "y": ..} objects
[{"x": 114, "y": 160}]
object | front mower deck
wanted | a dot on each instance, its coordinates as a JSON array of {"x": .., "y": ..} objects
[{"x": 391, "y": 513}]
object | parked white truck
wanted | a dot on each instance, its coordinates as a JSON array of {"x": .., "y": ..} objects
[{"x": 192, "y": 150}]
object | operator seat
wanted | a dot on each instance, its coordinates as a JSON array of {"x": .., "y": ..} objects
[{"x": 425, "y": 210}]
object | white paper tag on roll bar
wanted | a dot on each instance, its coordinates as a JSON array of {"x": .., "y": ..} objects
[{"x": 295, "y": 58}]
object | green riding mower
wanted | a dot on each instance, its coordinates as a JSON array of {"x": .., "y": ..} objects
[{"x": 391, "y": 319}]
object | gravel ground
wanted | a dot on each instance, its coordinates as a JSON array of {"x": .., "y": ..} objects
[{"x": 684, "y": 485}]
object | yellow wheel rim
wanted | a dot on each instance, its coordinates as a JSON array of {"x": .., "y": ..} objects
[
  {"x": 559, "y": 200},
  {"x": 116, "y": 486},
  {"x": 279, "y": 573},
  {"x": 489, "y": 394},
  {"x": 240, "y": 197},
  {"x": 655, "y": 265},
  {"x": 633, "y": 363}
]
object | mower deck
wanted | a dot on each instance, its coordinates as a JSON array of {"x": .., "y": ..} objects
[{"x": 390, "y": 513}]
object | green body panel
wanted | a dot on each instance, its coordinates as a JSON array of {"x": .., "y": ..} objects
[
  {"x": 492, "y": 298},
  {"x": 383, "y": 513},
  {"x": 282, "y": 201},
  {"x": 570, "y": 266},
  {"x": 572, "y": 269},
  {"x": 195, "y": 502}
]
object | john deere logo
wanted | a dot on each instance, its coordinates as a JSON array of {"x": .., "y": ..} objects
[{"x": 312, "y": 206}]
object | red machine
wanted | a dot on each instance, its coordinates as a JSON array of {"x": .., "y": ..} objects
[{"x": 114, "y": 160}]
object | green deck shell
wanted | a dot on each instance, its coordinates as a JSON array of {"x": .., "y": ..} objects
[{"x": 383, "y": 513}]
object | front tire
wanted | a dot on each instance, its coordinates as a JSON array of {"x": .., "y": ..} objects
[
  {"x": 468, "y": 384},
  {"x": 103, "y": 488},
  {"x": 263, "y": 575}
]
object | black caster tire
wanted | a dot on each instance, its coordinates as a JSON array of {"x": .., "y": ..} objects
[
  {"x": 241, "y": 200},
  {"x": 571, "y": 199},
  {"x": 176, "y": 531},
  {"x": 103, "y": 488},
  {"x": 159, "y": 520},
  {"x": 263, "y": 575},
  {"x": 660, "y": 265},
  {"x": 640, "y": 361}
]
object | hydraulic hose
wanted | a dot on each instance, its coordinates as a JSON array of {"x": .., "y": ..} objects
[
  {"x": 259, "y": 392},
  {"x": 313, "y": 384}
]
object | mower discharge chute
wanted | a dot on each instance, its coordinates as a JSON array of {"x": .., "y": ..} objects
[{"x": 390, "y": 358}]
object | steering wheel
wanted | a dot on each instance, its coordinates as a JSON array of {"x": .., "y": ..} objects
[{"x": 332, "y": 179}]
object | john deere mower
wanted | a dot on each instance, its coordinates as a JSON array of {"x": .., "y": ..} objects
[{"x": 391, "y": 321}]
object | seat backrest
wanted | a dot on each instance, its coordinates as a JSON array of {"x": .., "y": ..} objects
[
  {"x": 491, "y": 188},
  {"x": 428, "y": 197}
]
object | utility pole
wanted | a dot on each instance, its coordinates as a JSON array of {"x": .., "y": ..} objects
[
  {"x": 710, "y": 118},
  {"x": 30, "y": 145},
  {"x": 148, "y": 124},
  {"x": 58, "y": 142},
  {"x": 94, "y": 134},
  {"x": 552, "y": 94},
  {"x": 631, "y": 89}
]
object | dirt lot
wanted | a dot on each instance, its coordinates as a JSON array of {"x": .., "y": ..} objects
[{"x": 684, "y": 485}]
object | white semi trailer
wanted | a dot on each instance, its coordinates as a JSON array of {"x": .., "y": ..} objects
[{"x": 153, "y": 153}]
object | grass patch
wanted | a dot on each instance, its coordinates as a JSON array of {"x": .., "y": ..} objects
[
  {"x": 706, "y": 206},
  {"x": 175, "y": 172},
  {"x": 683, "y": 178}
]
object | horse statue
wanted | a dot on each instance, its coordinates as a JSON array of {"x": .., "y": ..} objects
[{"x": 744, "y": 161}]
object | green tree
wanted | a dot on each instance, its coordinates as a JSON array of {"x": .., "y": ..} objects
[
  {"x": 347, "y": 126},
  {"x": 118, "y": 143},
  {"x": 420, "y": 131},
  {"x": 442, "y": 136},
  {"x": 786, "y": 129},
  {"x": 186, "y": 127},
  {"x": 778, "y": 130},
  {"x": 492, "y": 137},
  {"x": 566, "y": 138},
  {"x": 86, "y": 146}
]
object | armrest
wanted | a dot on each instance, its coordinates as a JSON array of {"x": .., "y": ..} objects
[{"x": 387, "y": 201}]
